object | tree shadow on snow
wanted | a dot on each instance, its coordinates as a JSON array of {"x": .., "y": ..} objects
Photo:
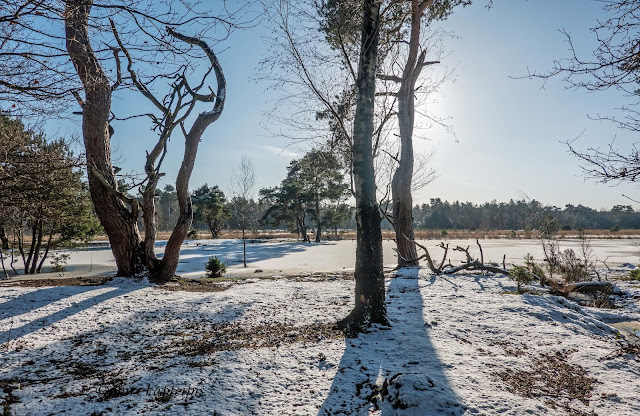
[
  {"x": 131, "y": 366},
  {"x": 44, "y": 297},
  {"x": 394, "y": 370}
]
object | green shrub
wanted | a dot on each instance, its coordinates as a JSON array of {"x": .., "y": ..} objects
[
  {"x": 534, "y": 268},
  {"x": 634, "y": 274},
  {"x": 192, "y": 235},
  {"x": 214, "y": 267},
  {"x": 521, "y": 275},
  {"x": 615, "y": 229},
  {"x": 59, "y": 262}
]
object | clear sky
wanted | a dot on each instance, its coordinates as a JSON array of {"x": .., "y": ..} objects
[{"x": 509, "y": 131}]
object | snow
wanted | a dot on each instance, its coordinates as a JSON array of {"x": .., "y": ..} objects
[{"x": 127, "y": 347}]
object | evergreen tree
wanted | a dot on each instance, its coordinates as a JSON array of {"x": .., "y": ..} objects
[
  {"x": 42, "y": 194},
  {"x": 209, "y": 205},
  {"x": 314, "y": 184}
]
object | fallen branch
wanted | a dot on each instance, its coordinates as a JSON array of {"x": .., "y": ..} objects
[
  {"x": 475, "y": 265},
  {"x": 481, "y": 254},
  {"x": 471, "y": 264}
]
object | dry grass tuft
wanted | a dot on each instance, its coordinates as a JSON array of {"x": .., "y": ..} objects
[{"x": 227, "y": 336}]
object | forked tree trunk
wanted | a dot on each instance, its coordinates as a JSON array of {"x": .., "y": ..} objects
[
  {"x": 119, "y": 222},
  {"x": 370, "y": 306},
  {"x": 36, "y": 251},
  {"x": 403, "y": 176},
  {"x": 169, "y": 262}
]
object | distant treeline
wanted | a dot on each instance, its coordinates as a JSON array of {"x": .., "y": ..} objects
[
  {"x": 443, "y": 215},
  {"x": 519, "y": 215}
]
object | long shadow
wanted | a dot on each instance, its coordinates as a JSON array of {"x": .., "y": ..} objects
[
  {"x": 112, "y": 370},
  {"x": 41, "y": 298},
  {"x": 395, "y": 370},
  {"x": 28, "y": 301}
]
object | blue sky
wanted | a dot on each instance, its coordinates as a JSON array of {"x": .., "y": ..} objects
[{"x": 509, "y": 131}]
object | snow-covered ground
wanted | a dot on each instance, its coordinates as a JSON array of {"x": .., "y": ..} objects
[
  {"x": 286, "y": 257},
  {"x": 458, "y": 345}
]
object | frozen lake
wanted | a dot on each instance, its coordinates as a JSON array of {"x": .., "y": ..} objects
[{"x": 268, "y": 257}]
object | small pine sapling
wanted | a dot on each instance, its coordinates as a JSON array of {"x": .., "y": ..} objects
[
  {"x": 521, "y": 275},
  {"x": 59, "y": 262},
  {"x": 534, "y": 268},
  {"x": 215, "y": 268}
]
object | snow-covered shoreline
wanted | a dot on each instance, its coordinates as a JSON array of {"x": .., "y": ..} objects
[{"x": 285, "y": 257}]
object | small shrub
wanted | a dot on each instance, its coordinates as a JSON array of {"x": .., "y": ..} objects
[
  {"x": 192, "y": 235},
  {"x": 534, "y": 268},
  {"x": 215, "y": 268},
  {"x": 634, "y": 274},
  {"x": 615, "y": 229},
  {"x": 566, "y": 227},
  {"x": 521, "y": 275},
  {"x": 571, "y": 267},
  {"x": 59, "y": 261}
]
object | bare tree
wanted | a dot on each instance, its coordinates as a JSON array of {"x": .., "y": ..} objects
[
  {"x": 174, "y": 109},
  {"x": 326, "y": 72},
  {"x": 89, "y": 69},
  {"x": 243, "y": 180},
  {"x": 412, "y": 62},
  {"x": 614, "y": 64}
]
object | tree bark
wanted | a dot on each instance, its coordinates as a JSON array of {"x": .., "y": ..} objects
[
  {"x": 214, "y": 228},
  {"x": 120, "y": 223},
  {"x": 36, "y": 251},
  {"x": 3, "y": 238},
  {"x": 370, "y": 305},
  {"x": 244, "y": 248},
  {"x": 27, "y": 262},
  {"x": 318, "y": 225},
  {"x": 169, "y": 263},
  {"x": 46, "y": 250},
  {"x": 149, "y": 221},
  {"x": 403, "y": 176}
]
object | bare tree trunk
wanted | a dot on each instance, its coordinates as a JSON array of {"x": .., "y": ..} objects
[
  {"x": 13, "y": 260},
  {"x": 149, "y": 221},
  {"x": 169, "y": 262},
  {"x": 318, "y": 225},
  {"x": 214, "y": 228},
  {"x": 403, "y": 176},
  {"x": 370, "y": 306},
  {"x": 3, "y": 238},
  {"x": 4, "y": 271},
  {"x": 244, "y": 248},
  {"x": 120, "y": 223},
  {"x": 46, "y": 250},
  {"x": 36, "y": 251},
  {"x": 27, "y": 263}
]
